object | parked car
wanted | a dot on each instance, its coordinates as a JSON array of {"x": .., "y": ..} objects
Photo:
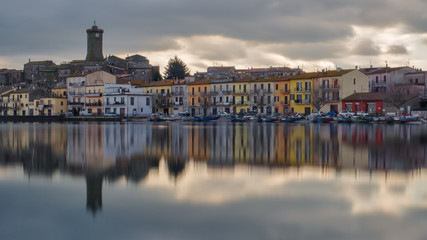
[
  {"x": 85, "y": 113},
  {"x": 110, "y": 114}
]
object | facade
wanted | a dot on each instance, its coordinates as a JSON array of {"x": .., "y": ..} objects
[
  {"x": 383, "y": 79},
  {"x": 126, "y": 101},
  {"x": 10, "y": 77},
  {"x": 241, "y": 102},
  {"x": 221, "y": 95},
  {"x": 179, "y": 97},
  {"x": 335, "y": 85},
  {"x": 301, "y": 93},
  {"x": 76, "y": 94},
  {"x": 368, "y": 102},
  {"x": 199, "y": 97},
  {"x": 161, "y": 93},
  {"x": 282, "y": 95},
  {"x": 32, "y": 69},
  {"x": 262, "y": 91}
]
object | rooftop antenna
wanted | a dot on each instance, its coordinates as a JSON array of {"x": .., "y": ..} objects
[{"x": 94, "y": 22}]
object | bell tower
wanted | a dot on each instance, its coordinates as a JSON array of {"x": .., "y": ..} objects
[{"x": 94, "y": 45}]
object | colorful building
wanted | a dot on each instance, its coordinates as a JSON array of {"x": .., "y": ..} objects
[
  {"x": 282, "y": 95},
  {"x": 241, "y": 90}
]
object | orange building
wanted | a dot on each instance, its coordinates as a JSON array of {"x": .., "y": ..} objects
[
  {"x": 199, "y": 97},
  {"x": 282, "y": 95}
]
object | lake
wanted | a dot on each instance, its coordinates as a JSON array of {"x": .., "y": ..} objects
[{"x": 142, "y": 180}]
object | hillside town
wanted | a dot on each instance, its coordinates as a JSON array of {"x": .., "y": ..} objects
[{"x": 109, "y": 85}]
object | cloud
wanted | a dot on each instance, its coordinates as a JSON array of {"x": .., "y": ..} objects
[
  {"x": 309, "y": 30},
  {"x": 366, "y": 47},
  {"x": 397, "y": 50}
]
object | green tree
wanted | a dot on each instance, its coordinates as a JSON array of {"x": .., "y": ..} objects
[
  {"x": 156, "y": 75},
  {"x": 176, "y": 69}
]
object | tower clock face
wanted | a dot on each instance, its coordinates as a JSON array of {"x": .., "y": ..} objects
[{"x": 97, "y": 35}]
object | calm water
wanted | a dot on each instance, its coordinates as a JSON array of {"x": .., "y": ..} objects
[{"x": 212, "y": 181}]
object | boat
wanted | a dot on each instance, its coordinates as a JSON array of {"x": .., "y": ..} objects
[
  {"x": 157, "y": 117},
  {"x": 326, "y": 119},
  {"x": 205, "y": 118},
  {"x": 344, "y": 120},
  {"x": 408, "y": 119},
  {"x": 364, "y": 119},
  {"x": 291, "y": 118}
]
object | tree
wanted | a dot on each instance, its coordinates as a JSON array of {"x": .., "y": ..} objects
[
  {"x": 399, "y": 97},
  {"x": 156, "y": 75},
  {"x": 320, "y": 98},
  {"x": 176, "y": 69}
]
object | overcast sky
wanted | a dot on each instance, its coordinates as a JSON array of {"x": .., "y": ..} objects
[{"x": 312, "y": 34}]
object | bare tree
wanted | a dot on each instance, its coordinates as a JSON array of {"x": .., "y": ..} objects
[
  {"x": 319, "y": 98},
  {"x": 258, "y": 100},
  {"x": 399, "y": 97},
  {"x": 205, "y": 101}
]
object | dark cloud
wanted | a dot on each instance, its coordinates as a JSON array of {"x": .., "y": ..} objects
[
  {"x": 366, "y": 47},
  {"x": 57, "y": 28},
  {"x": 397, "y": 50}
]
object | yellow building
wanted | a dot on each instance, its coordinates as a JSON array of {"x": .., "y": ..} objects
[
  {"x": 241, "y": 91},
  {"x": 161, "y": 91},
  {"x": 301, "y": 93},
  {"x": 51, "y": 106},
  {"x": 282, "y": 95},
  {"x": 18, "y": 102}
]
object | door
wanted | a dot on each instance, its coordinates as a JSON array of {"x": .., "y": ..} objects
[
  {"x": 307, "y": 111},
  {"x": 122, "y": 112}
]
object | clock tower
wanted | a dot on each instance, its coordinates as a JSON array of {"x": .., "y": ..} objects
[{"x": 94, "y": 45}]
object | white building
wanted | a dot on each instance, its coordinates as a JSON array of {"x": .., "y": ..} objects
[
  {"x": 76, "y": 93},
  {"x": 128, "y": 101}
]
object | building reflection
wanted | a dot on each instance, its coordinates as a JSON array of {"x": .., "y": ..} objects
[{"x": 112, "y": 151}]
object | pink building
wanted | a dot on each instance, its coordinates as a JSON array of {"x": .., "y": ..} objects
[{"x": 382, "y": 79}]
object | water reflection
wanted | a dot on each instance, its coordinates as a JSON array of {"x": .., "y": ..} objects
[{"x": 112, "y": 151}]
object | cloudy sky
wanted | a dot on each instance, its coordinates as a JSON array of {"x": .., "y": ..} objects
[{"x": 311, "y": 34}]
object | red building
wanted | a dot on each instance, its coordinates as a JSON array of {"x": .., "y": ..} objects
[{"x": 367, "y": 102}]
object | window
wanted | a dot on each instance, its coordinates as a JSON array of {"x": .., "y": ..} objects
[
  {"x": 147, "y": 101},
  {"x": 192, "y": 101},
  {"x": 142, "y": 110},
  {"x": 277, "y": 87},
  {"x": 307, "y": 86},
  {"x": 268, "y": 99},
  {"x": 226, "y": 99},
  {"x": 132, "y": 101},
  {"x": 142, "y": 73},
  {"x": 262, "y": 86},
  {"x": 220, "y": 99},
  {"x": 299, "y": 86},
  {"x": 62, "y": 103},
  {"x": 244, "y": 88},
  {"x": 376, "y": 79},
  {"x": 385, "y": 78},
  {"x": 354, "y": 81}
]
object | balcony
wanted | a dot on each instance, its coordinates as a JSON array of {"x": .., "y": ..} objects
[
  {"x": 115, "y": 103},
  {"x": 227, "y": 92},
  {"x": 178, "y": 103},
  {"x": 75, "y": 103},
  {"x": 76, "y": 94},
  {"x": 222, "y": 104},
  {"x": 93, "y": 94},
  {"x": 307, "y": 101},
  {"x": 93, "y": 104},
  {"x": 285, "y": 91},
  {"x": 178, "y": 93},
  {"x": 240, "y": 92},
  {"x": 284, "y": 103},
  {"x": 302, "y": 89}
]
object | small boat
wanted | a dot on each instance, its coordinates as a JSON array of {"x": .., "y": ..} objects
[
  {"x": 344, "y": 120},
  {"x": 291, "y": 119},
  {"x": 409, "y": 118},
  {"x": 156, "y": 118},
  {"x": 364, "y": 119},
  {"x": 326, "y": 119},
  {"x": 205, "y": 118}
]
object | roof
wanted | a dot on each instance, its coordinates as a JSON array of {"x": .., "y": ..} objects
[
  {"x": 366, "y": 96},
  {"x": 5, "y": 89},
  {"x": 200, "y": 82},
  {"x": 386, "y": 70},
  {"x": 335, "y": 73}
]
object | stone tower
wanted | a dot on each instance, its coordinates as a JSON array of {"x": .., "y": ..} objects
[{"x": 94, "y": 45}]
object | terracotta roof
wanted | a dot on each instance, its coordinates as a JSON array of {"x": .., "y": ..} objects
[
  {"x": 200, "y": 82},
  {"x": 366, "y": 97}
]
